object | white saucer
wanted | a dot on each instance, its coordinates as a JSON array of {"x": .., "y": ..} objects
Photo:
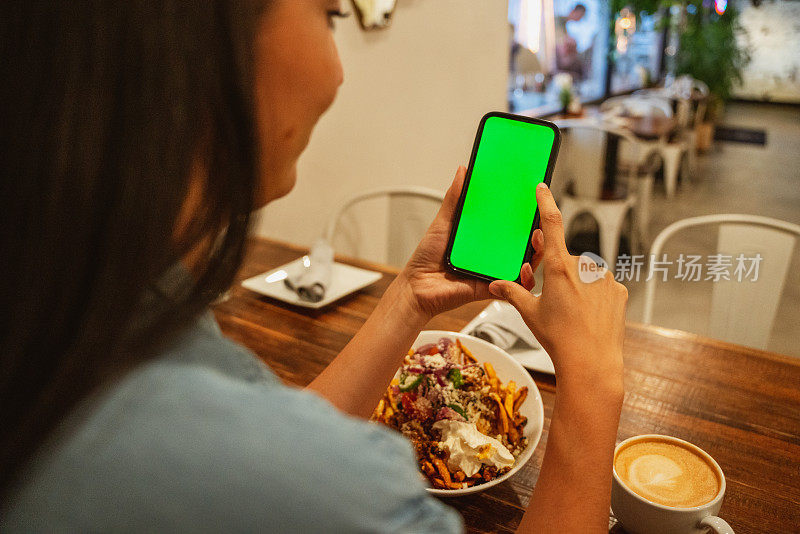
[
  {"x": 533, "y": 359},
  {"x": 345, "y": 279}
]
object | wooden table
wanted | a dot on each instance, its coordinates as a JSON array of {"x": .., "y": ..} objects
[
  {"x": 648, "y": 128},
  {"x": 739, "y": 404},
  {"x": 651, "y": 127}
]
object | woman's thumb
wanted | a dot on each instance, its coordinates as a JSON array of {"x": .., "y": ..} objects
[{"x": 515, "y": 294}]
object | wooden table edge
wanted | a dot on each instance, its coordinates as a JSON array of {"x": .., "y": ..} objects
[{"x": 671, "y": 333}]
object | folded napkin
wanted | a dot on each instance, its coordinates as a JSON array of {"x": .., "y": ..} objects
[
  {"x": 501, "y": 324},
  {"x": 312, "y": 276}
]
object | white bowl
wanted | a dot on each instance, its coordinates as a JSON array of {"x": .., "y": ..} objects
[{"x": 507, "y": 369}]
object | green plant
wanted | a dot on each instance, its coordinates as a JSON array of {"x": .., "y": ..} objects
[
  {"x": 709, "y": 51},
  {"x": 564, "y": 98}
]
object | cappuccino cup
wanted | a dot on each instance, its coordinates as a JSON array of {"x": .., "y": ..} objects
[{"x": 665, "y": 485}]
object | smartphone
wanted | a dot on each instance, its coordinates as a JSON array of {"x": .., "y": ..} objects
[{"x": 497, "y": 211}]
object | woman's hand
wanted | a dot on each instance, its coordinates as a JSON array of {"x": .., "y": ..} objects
[
  {"x": 581, "y": 325},
  {"x": 434, "y": 289},
  {"x": 423, "y": 289}
]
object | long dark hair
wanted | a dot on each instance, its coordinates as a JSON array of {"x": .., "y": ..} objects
[{"x": 106, "y": 108}]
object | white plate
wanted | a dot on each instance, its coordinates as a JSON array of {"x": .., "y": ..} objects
[
  {"x": 507, "y": 369},
  {"x": 533, "y": 359},
  {"x": 345, "y": 279}
]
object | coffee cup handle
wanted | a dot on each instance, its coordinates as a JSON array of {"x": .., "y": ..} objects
[{"x": 718, "y": 525}]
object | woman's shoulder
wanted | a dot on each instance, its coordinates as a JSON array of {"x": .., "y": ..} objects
[{"x": 193, "y": 442}]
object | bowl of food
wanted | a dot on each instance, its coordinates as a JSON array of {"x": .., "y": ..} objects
[{"x": 472, "y": 412}]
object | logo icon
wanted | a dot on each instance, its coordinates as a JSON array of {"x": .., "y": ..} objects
[{"x": 591, "y": 267}]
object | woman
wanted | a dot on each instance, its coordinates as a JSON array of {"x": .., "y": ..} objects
[{"x": 136, "y": 141}]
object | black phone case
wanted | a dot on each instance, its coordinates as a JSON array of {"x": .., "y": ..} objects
[{"x": 547, "y": 176}]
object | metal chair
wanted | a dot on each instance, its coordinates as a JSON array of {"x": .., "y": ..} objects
[
  {"x": 690, "y": 112},
  {"x": 697, "y": 118},
  {"x": 581, "y": 165},
  {"x": 670, "y": 152},
  {"x": 410, "y": 211},
  {"x": 741, "y": 312},
  {"x": 702, "y": 89}
]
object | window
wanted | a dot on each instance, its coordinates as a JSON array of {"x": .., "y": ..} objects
[
  {"x": 556, "y": 37},
  {"x": 638, "y": 51}
]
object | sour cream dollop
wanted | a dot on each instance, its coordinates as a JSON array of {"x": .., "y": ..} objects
[{"x": 469, "y": 448}]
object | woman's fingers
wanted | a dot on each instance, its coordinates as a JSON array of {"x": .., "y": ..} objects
[
  {"x": 518, "y": 295},
  {"x": 537, "y": 240},
  {"x": 526, "y": 273},
  {"x": 551, "y": 222},
  {"x": 538, "y": 249},
  {"x": 526, "y": 276}
]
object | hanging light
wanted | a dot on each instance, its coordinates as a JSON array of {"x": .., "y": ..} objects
[
  {"x": 624, "y": 28},
  {"x": 720, "y": 6},
  {"x": 529, "y": 24}
]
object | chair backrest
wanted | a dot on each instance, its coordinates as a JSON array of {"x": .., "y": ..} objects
[
  {"x": 637, "y": 105},
  {"x": 404, "y": 215},
  {"x": 681, "y": 87},
  {"x": 691, "y": 112},
  {"x": 700, "y": 113},
  {"x": 680, "y": 104},
  {"x": 701, "y": 87},
  {"x": 702, "y": 104},
  {"x": 581, "y": 158},
  {"x": 741, "y": 311}
]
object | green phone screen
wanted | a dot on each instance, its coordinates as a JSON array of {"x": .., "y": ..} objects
[{"x": 499, "y": 207}]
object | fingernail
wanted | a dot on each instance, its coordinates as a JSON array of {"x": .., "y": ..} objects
[{"x": 542, "y": 185}]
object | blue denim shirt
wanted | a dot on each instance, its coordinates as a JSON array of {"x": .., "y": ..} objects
[{"x": 206, "y": 439}]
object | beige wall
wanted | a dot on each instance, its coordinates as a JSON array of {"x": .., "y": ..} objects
[
  {"x": 407, "y": 111},
  {"x": 770, "y": 34}
]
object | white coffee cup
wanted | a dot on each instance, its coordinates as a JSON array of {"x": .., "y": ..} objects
[{"x": 638, "y": 515}]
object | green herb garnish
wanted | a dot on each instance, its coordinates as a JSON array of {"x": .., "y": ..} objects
[
  {"x": 458, "y": 409},
  {"x": 454, "y": 375},
  {"x": 408, "y": 386}
]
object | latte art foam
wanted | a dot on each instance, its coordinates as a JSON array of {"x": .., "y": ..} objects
[{"x": 666, "y": 473}]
